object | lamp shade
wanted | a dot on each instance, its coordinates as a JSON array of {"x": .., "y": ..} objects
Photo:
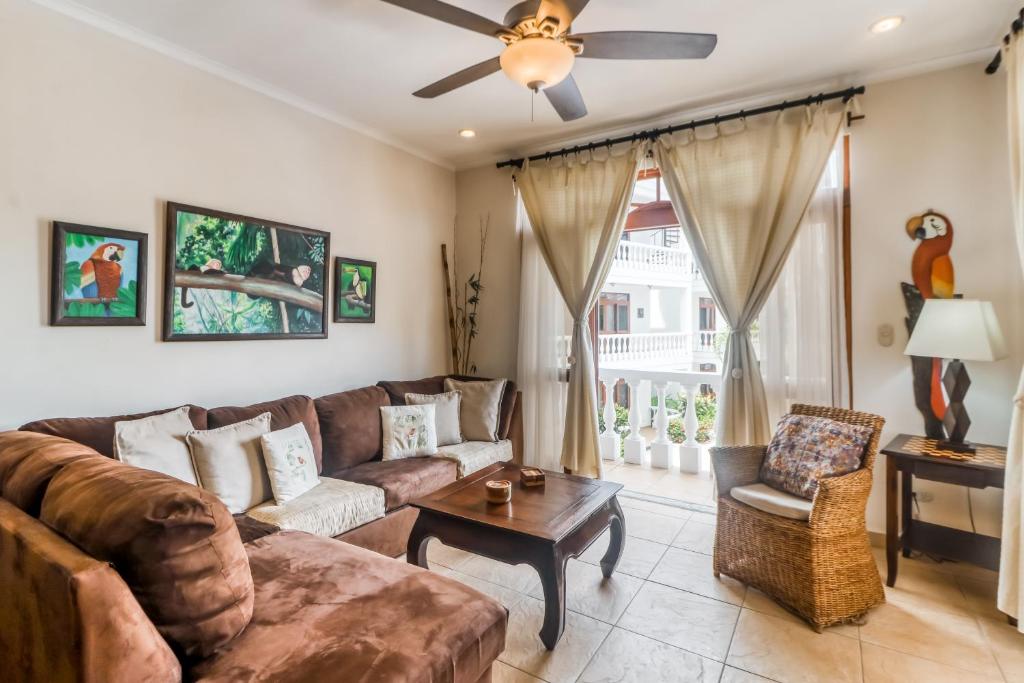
[
  {"x": 957, "y": 328},
  {"x": 537, "y": 62}
]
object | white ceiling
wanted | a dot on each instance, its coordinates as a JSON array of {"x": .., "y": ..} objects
[{"x": 358, "y": 60}]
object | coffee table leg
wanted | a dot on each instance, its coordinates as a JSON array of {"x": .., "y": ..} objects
[
  {"x": 618, "y": 539},
  {"x": 416, "y": 550},
  {"x": 552, "y": 580}
]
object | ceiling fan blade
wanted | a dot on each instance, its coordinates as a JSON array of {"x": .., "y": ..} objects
[
  {"x": 566, "y": 99},
  {"x": 646, "y": 45},
  {"x": 449, "y": 14},
  {"x": 460, "y": 78},
  {"x": 569, "y": 9}
]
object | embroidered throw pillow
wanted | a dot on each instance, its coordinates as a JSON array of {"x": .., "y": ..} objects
[
  {"x": 446, "y": 414},
  {"x": 291, "y": 462},
  {"x": 157, "y": 443},
  {"x": 480, "y": 409},
  {"x": 807, "y": 449},
  {"x": 229, "y": 462},
  {"x": 408, "y": 431}
]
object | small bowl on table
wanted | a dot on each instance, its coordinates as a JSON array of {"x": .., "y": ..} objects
[{"x": 499, "y": 491}]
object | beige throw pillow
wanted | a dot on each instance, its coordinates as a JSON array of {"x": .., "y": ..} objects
[
  {"x": 157, "y": 443},
  {"x": 229, "y": 462},
  {"x": 446, "y": 414},
  {"x": 481, "y": 407},
  {"x": 409, "y": 431},
  {"x": 291, "y": 464}
]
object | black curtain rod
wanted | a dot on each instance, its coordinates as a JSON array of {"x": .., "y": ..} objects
[
  {"x": 1015, "y": 27},
  {"x": 655, "y": 133}
]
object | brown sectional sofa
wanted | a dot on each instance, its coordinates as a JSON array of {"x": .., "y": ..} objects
[{"x": 321, "y": 610}]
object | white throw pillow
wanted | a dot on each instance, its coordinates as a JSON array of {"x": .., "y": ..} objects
[
  {"x": 291, "y": 465},
  {"x": 446, "y": 414},
  {"x": 408, "y": 431},
  {"x": 157, "y": 443},
  {"x": 480, "y": 410},
  {"x": 229, "y": 462}
]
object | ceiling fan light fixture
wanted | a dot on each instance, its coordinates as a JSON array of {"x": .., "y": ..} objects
[{"x": 537, "y": 62}]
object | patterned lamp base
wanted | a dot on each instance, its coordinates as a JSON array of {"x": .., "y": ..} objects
[{"x": 956, "y": 421}]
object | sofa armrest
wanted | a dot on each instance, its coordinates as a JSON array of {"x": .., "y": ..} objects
[
  {"x": 736, "y": 466},
  {"x": 840, "y": 502},
  {"x": 515, "y": 430}
]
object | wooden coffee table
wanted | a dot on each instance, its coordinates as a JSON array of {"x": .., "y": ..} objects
[{"x": 542, "y": 526}]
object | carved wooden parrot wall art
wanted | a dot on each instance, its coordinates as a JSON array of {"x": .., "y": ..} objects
[{"x": 932, "y": 272}]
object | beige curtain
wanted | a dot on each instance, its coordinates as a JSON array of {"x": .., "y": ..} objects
[
  {"x": 741, "y": 190},
  {"x": 1010, "y": 598},
  {"x": 577, "y": 208}
]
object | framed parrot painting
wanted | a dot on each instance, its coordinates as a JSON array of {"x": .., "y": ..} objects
[
  {"x": 231, "y": 277},
  {"x": 355, "y": 290},
  {"x": 98, "y": 276}
]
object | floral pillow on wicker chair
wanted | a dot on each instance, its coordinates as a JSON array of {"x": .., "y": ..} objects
[{"x": 806, "y": 449}]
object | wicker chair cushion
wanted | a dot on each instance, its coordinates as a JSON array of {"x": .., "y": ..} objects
[
  {"x": 806, "y": 449},
  {"x": 773, "y": 501}
]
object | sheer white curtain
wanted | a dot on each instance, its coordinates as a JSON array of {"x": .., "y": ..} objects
[
  {"x": 577, "y": 208},
  {"x": 1010, "y": 598},
  {"x": 802, "y": 327},
  {"x": 740, "y": 191},
  {"x": 544, "y": 330}
]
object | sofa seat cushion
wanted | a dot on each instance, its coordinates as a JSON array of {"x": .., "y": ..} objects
[
  {"x": 330, "y": 508},
  {"x": 174, "y": 544},
  {"x": 350, "y": 427},
  {"x": 329, "y": 611},
  {"x": 773, "y": 501},
  {"x": 403, "y": 480},
  {"x": 28, "y": 461},
  {"x": 471, "y": 456},
  {"x": 98, "y": 432},
  {"x": 284, "y": 412}
]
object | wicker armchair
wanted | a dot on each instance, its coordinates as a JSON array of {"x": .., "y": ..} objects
[{"x": 822, "y": 569}]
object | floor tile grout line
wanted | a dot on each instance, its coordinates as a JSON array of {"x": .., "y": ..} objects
[{"x": 933, "y": 661}]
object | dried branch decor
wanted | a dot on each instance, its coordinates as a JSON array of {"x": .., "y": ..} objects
[{"x": 463, "y": 303}]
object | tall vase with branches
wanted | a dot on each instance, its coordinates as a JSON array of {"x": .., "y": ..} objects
[{"x": 463, "y": 299}]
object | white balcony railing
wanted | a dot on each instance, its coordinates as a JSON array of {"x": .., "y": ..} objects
[
  {"x": 653, "y": 346},
  {"x": 663, "y": 451},
  {"x": 650, "y": 264}
]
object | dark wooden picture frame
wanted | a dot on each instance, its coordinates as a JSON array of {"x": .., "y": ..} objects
[
  {"x": 266, "y": 277},
  {"x": 369, "y": 298},
  {"x": 109, "y": 310}
]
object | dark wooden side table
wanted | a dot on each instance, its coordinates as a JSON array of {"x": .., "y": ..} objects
[
  {"x": 542, "y": 526},
  {"x": 910, "y": 456}
]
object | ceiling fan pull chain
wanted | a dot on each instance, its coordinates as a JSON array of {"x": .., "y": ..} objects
[{"x": 533, "y": 98}]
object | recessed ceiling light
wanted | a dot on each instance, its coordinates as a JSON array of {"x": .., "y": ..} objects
[
  {"x": 886, "y": 24},
  {"x": 467, "y": 133}
]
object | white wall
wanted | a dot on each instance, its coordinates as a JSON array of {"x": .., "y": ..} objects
[
  {"x": 97, "y": 130},
  {"x": 934, "y": 141},
  {"x": 486, "y": 194}
]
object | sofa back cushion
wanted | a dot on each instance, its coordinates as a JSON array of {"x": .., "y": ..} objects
[
  {"x": 435, "y": 385},
  {"x": 350, "y": 426},
  {"x": 98, "y": 432},
  {"x": 397, "y": 389},
  {"x": 28, "y": 461},
  {"x": 175, "y": 545},
  {"x": 284, "y": 412}
]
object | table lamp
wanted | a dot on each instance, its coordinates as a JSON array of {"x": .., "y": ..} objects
[{"x": 957, "y": 329}]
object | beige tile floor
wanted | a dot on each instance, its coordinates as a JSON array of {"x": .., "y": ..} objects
[
  {"x": 664, "y": 617},
  {"x": 666, "y": 483}
]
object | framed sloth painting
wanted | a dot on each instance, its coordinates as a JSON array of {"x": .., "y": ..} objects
[
  {"x": 98, "y": 276},
  {"x": 231, "y": 277}
]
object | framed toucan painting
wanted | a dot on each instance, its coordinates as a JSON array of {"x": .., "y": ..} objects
[
  {"x": 98, "y": 276},
  {"x": 355, "y": 290}
]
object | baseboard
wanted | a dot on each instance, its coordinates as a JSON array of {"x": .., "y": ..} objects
[{"x": 670, "y": 502}]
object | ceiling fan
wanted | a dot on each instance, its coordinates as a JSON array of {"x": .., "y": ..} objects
[{"x": 540, "y": 50}]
